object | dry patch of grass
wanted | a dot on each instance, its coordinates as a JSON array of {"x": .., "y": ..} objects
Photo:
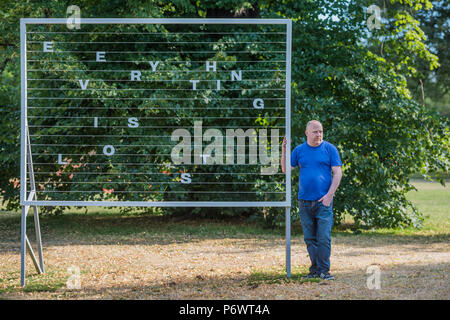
[
  {"x": 143, "y": 257},
  {"x": 222, "y": 265}
]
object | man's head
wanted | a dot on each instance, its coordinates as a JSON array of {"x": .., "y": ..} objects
[{"x": 314, "y": 133}]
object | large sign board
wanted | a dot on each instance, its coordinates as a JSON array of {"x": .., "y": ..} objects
[{"x": 155, "y": 112}]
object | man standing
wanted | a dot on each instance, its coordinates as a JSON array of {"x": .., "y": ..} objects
[{"x": 320, "y": 175}]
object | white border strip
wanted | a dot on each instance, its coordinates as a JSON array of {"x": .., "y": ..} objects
[
  {"x": 23, "y": 110},
  {"x": 153, "y": 21},
  {"x": 287, "y": 123}
]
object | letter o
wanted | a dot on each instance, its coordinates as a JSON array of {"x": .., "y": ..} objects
[{"x": 108, "y": 150}]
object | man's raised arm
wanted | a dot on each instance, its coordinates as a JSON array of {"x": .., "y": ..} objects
[{"x": 283, "y": 156}]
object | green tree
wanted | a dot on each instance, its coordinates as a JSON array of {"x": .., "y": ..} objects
[
  {"x": 352, "y": 79},
  {"x": 435, "y": 83}
]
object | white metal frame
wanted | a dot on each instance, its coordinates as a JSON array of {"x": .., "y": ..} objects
[{"x": 29, "y": 199}]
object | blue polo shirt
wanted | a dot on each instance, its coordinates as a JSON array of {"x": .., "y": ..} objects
[{"x": 315, "y": 168}]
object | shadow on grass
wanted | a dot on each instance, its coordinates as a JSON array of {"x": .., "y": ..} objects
[{"x": 85, "y": 229}]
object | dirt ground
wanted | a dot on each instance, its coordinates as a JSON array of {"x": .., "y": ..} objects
[{"x": 193, "y": 267}]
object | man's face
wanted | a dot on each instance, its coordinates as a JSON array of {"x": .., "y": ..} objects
[{"x": 314, "y": 134}]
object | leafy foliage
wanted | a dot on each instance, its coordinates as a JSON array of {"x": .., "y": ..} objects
[
  {"x": 352, "y": 80},
  {"x": 434, "y": 85}
]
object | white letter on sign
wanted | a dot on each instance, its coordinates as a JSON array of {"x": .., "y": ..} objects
[
  {"x": 100, "y": 56},
  {"x": 133, "y": 123},
  {"x": 210, "y": 66},
  {"x": 258, "y": 104},
  {"x": 135, "y": 75},
  {"x": 83, "y": 85},
  {"x": 48, "y": 46},
  {"x": 236, "y": 76},
  {"x": 154, "y": 65},
  {"x": 60, "y": 159},
  {"x": 108, "y": 150},
  {"x": 185, "y": 178},
  {"x": 194, "y": 84}
]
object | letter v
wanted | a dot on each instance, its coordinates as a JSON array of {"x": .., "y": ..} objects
[{"x": 83, "y": 85}]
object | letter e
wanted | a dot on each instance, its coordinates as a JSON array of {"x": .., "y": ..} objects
[
  {"x": 48, "y": 46},
  {"x": 100, "y": 56}
]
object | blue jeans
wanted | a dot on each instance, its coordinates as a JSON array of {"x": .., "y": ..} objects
[{"x": 317, "y": 222}]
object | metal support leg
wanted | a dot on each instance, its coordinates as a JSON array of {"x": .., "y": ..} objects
[
  {"x": 288, "y": 242},
  {"x": 23, "y": 246}
]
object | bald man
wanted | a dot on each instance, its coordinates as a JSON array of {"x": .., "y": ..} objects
[{"x": 320, "y": 175}]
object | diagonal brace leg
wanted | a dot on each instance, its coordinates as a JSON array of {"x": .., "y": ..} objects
[{"x": 25, "y": 244}]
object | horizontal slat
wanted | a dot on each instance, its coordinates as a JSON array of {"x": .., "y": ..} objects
[
  {"x": 153, "y": 21},
  {"x": 211, "y": 204}
]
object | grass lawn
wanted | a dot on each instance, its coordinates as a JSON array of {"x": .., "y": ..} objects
[
  {"x": 141, "y": 256},
  {"x": 433, "y": 200}
]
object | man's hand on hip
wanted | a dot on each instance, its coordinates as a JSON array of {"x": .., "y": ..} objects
[{"x": 326, "y": 199}]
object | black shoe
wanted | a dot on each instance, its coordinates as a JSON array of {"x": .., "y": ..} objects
[
  {"x": 311, "y": 275},
  {"x": 326, "y": 276}
]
